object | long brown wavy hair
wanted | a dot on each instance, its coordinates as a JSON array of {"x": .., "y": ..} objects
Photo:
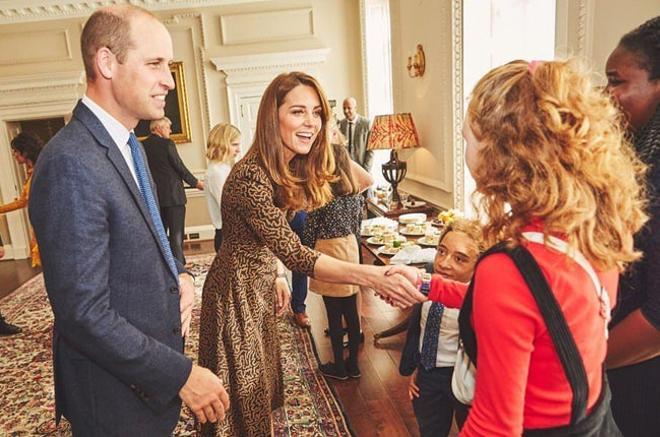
[
  {"x": 302, "y": 183},
  {"x": 552, "y": 149}
]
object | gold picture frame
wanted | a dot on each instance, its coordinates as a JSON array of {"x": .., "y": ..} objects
[{"x": 176, "y": 109}]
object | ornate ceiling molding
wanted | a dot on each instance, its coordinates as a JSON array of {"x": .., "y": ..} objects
[
  {"x": 196, "y": 16},
  {"x": 269, "y": 62},
  {"x": 22, "y": 11},
  {"x": 40, "y": 95},
  {"x": 37, "y": 83}
]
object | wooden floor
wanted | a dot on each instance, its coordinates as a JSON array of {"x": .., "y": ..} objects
[
  {"x": 376, "y": 404},
  {"x": 13, "y": 274}
]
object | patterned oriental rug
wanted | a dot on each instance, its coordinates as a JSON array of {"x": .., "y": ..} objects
[{"x": 26, "y": 381}]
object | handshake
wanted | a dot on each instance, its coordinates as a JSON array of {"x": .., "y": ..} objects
[{"x": 398, "y": 285}]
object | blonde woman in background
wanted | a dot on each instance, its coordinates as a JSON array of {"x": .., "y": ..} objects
[{"x": 223, "y": 147}]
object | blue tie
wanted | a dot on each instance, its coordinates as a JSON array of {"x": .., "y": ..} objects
[
  {"x": 148, "y": 197},
  {"x": 431, "y": 333}
]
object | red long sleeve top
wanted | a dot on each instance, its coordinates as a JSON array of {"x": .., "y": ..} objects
[{"x": 520, "y": 382}]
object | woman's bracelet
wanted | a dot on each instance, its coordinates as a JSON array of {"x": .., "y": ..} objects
[{"x": 425, "y": 284}]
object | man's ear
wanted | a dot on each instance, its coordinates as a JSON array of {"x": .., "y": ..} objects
[{"x": 105, "y": 62}]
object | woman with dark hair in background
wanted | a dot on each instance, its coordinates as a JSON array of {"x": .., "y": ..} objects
[
  {"x": 26, "y": 148},
  {"x": 334, "y": 230},
  {"x": 633, "y": 356}
]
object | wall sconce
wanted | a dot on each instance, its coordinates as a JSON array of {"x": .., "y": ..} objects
[{"x": 417, "y": 63}]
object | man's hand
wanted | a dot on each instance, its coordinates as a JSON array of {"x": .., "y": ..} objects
[
  {"x": 2, "y": 251},
  {"x": 200, "y": 185},
  {"x": 187, "y": 299},
  {"x": 282, "y": 294},
  {"x": 413, "y": 388},
  {"x": 398, "y": 290},
  {"x": 204, "y": 393}
]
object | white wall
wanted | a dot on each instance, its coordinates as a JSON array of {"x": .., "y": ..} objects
[
  {"x": 429, "y": 98},
  {"x": 611, "y": 20}
]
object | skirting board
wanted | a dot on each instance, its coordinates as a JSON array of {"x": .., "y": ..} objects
[{"x": 203, "y": 232}]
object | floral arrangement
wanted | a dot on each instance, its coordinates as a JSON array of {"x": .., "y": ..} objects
[{"x": 448, "y": 216}]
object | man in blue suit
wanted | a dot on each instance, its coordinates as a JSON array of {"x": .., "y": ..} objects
[{"x": 122, "y": 303}]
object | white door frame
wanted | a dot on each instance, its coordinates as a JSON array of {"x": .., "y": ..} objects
[{"x": 236, "y": 95}]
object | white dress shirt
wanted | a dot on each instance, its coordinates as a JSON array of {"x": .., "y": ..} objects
[
  {"x": 117, "y": 131},
  {"x": 214, "y": 182},
  {"x": 448, "y": 338}
]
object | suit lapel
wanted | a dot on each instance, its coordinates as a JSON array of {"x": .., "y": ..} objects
[{"x": 87, "y": 117}]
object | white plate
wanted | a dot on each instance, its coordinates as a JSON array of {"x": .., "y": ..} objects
[
  {"x": 412, "y": 234},
  {"x": 429, "y": 241},
  {"x": 377, "y": 239},
  {"x": 409, "y": 219},
  {"x": 417, "y": 233},
  {"x": 387, "y": 250},
  {"x": 370, "y": 231}
]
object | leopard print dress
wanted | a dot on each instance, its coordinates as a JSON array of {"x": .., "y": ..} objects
[{"x": 238, "y": 334}]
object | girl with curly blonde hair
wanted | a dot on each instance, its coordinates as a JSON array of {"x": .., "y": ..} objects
[{"x": 552, "y": 169}]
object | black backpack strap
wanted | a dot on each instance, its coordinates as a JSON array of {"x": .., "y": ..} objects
[
  {"x": 554, "y": 319},
  {"x": 557, "y": 328}
]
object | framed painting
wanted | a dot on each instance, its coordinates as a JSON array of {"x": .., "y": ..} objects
[{"x": 176, "y": 109}]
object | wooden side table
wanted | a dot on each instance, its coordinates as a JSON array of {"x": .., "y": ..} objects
[{"x": 376, "y": 208}]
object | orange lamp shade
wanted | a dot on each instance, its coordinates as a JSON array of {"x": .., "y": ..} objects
[{"x": 394, "y": 131}]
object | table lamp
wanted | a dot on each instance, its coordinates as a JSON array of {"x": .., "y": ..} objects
[{"x": 394, "y": 132}]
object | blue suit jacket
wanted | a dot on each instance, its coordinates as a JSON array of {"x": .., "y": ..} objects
[{"x": 117, "y": 346}]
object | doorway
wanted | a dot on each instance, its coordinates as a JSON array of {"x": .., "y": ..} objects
[{"x": 14, "y": 226}]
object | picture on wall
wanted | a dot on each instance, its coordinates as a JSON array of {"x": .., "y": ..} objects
[{"x": 176, "y": 109}]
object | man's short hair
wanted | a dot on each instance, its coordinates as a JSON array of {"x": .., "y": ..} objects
[
  {"x": 154, "y": 124},
  {"x": 111, "y": 28}
]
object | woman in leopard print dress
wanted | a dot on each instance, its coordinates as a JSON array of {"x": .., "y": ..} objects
[{"x": 287, "y": 169}]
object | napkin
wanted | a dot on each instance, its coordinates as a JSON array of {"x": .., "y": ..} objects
[{"x": 414, "y": 255}]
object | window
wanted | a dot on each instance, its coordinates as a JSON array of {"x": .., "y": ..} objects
[
  {"x": 378, "y": 64},
  {"x": 499, "y": 31}
]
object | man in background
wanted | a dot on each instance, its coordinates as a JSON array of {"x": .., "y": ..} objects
[
  {"x": 168, "y": 170},
  {"x": 122, "y": 303},
  {"x": 356, "y": 130}
]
